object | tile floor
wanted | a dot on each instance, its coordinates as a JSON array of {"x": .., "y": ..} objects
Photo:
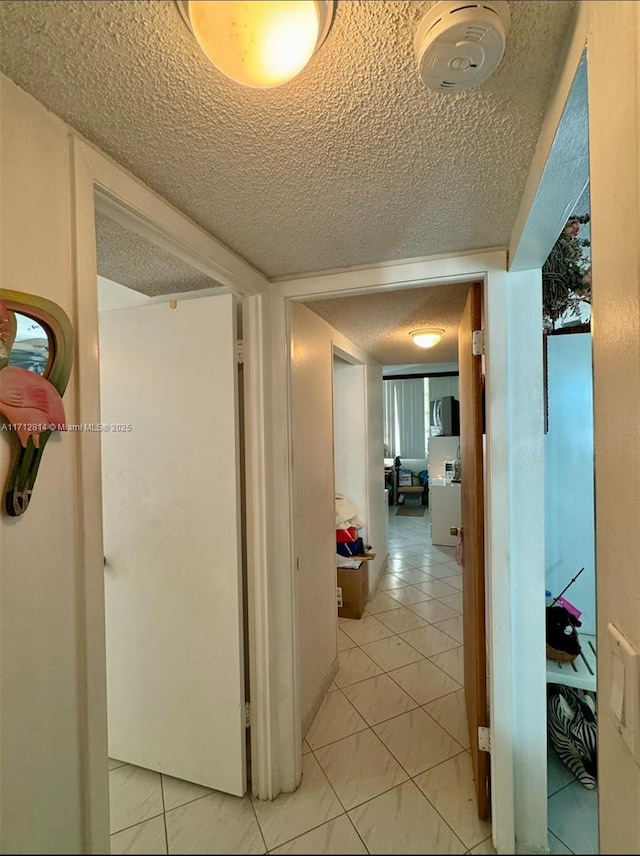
[{"x": 386, "y": 767}]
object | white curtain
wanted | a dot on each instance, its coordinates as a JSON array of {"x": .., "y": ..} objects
[{"x": 404, "y": 418}]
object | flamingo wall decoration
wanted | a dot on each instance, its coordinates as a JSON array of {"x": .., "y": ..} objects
[{"x": 32, "y": 403}]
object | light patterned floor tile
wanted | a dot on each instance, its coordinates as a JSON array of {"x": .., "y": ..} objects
[
  {"x": 391, "y": 653},
  {"x": 355, "y": 666},
  {"x": 401, "y": 563},
  {"x": 402, "y": 619},
  {"x": 408, "y": 594},
  {"x": 147, "y": 837},
  {"x": 390, "y": 581},
  {"x": 485, "y": 848},
  {"x": 450, "y": 712},
  {"x": 455, "y": 580},
  {"x": 344, "y": 642},
  {"x": 359, "y": 768},
  {"x": 432, "y": 610},
  {"x": 407, "y": 550},
  {"x": 336, "y": 837},
  {"x": 429, "y": 640},
  {"x": 436, "y": 588},
  {"x": 454, "y": 601},
  {"x": 335, "y": 719},
  {"x": 114, "y": 763},
  {"x": 424, "y": 681},
  {"x": 558, "y": 775},
  {"x": 556, "y": 847},
  {"x": 573, "y": 818},
  {"x": 134, "y": 795},
  {"x": 378, "y": 699},
  {"x": 217, "y": 823},
  {"x": 453, "y": 627},
  {"x": 333, "y": 688},
  {"x": 445, "y": 552},
  {"x": 305, "y": 746},
  {"x": 381, "y": 603},
  {"x": 442, "y": 570},
  {"x": 403, "y": 821},
  {"x": 424, "y": 562},
  {"x": 413, "y": 576},
  {"x": 368, "y": 629},
  {"x": 290, "y": 815},
  {"x": 451, "y": 662},
  {"x": 178, "y": 792},
  {"x": 417, "y": 741},
  {"x": 449, "y": 788}
]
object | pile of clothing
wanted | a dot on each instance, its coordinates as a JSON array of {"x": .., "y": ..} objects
[{"x": 348, "y": 522}]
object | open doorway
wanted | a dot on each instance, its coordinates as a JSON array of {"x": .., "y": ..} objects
[
  {"x": 388, "y": 655},
  {"x": 570, "y": 563}
]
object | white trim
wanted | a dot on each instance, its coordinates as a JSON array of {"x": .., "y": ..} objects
[
  {"x": 527, "y": 556},
  {"x": 95, "y": 176},
  {"x": 498, "y": 560},
  {"x": 433, "y": 270},
  {"x": 92, "y": 654},
  {"x": 125, "y": 198},
  {"x": 530, "y": 241},
  {"x": 490, "y": 268}
]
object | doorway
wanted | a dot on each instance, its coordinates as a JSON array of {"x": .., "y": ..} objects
[{"x": 304, "y": 344}]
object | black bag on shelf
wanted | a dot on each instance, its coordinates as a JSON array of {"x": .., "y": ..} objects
[{"x": 350, "y": 548}]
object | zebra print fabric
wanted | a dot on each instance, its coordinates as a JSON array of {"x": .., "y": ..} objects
[{"x": 572, "y": 727}]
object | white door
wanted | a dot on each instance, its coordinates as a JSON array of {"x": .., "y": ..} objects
[{"x": 175, "y": 662}]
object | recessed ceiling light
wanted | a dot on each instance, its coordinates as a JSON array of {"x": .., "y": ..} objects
[
  {"x": 259, "y": 43},
  {"x": 427, "y": 337}
]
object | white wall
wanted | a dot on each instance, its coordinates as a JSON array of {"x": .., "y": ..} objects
[
  {"x": 350, "y": 432},
  {"x": 569, "y": 510},
  {"x": 614, "y": 151},
  {"x": 42, "y": 706},
  {"x": 313, "y": 341},
  {"x": 441, "y": 386}
]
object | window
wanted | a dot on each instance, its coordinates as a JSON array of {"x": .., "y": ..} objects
[{"x": 405, "y": 409}]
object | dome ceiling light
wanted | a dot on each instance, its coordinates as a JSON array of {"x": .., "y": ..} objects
[
  {"x": 427, "y": 337},
  {"x": 259, "y": 43}
]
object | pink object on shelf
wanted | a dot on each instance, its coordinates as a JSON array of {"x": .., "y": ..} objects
[{"x": 568, "y": 606}]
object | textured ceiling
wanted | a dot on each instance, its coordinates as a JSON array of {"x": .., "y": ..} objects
[
  {"x": 129, "y": 259},
  {"x": 353, "y": 162},
  {"x": 380, "y": 323}
]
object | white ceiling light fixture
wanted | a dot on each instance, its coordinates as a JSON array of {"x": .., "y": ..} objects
[
  {"x": 259, "y": 43},
  {"x": 460, "y": 43},
  {"x": 427, "y": 337}
]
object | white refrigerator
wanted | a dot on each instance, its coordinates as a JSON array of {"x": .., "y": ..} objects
[{"x": 445, "y": 500}]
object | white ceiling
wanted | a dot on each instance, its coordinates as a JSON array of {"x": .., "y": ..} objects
[
  {"x": 380, "y": 323},
  {"x": 354, "y": 162},
  {"x": 125, "y": 257}
]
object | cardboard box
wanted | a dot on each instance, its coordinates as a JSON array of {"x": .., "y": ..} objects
[{"x": 353, "y": 588}]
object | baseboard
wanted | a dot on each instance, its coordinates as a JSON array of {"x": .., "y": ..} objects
[{"x": 324, "y": 689}]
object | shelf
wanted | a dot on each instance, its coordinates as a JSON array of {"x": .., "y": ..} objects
[{"x": 581, "y": 673}]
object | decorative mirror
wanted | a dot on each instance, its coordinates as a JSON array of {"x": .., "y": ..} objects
[{"x": 36, "y": 353}]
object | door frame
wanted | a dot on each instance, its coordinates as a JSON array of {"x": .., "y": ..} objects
[
  {"x": 489, "y": 268},
  {"x": 101, "y": 184}
]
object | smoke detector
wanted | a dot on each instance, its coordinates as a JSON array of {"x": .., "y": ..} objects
[{"x": 460, "y": 44}]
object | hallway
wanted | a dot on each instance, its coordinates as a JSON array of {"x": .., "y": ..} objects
[
  {"x": 385, "y": 762},
  {"x": 385, "y": 766}
]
